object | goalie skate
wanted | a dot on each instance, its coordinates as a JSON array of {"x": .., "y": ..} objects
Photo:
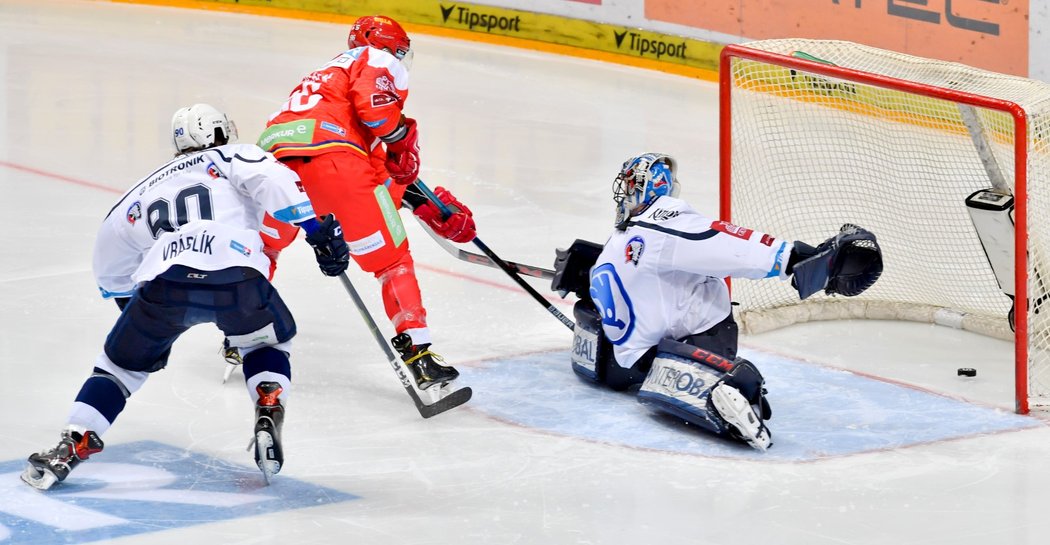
[{"x": 738, "y": 413}]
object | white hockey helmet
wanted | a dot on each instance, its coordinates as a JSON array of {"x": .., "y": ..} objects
[
  {"x": 201, "y": 126},
  {"x": 641, "y": 180}
]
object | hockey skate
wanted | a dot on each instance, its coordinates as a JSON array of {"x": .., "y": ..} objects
[
  {"x": 269, "y": 417},
  {"x": 425, "y": 365},
  {"x": 48, "y": 467},
  {"x": 738, "y": 413}
]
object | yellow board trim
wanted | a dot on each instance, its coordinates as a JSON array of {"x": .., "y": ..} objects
[{"x": 548, "y": 33}]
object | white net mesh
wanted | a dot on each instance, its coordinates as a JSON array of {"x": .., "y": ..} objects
[{"x": 810, "y": 153}]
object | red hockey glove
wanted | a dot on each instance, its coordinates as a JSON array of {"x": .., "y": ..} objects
[
  {"x": 402, "y": 156},
  {"x": 459, "y": 227}
]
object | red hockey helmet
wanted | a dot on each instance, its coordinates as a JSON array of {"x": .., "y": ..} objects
[{"x": 381, "y": 33}]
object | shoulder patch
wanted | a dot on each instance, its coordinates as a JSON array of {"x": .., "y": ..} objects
[
  {"x": 634, "y": 249},
  {"x": 134, "y": 212}
]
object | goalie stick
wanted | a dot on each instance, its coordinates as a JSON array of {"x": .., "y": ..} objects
[
  {"x": 513, "y": 273},
  {"x": 426, "y": 410}
]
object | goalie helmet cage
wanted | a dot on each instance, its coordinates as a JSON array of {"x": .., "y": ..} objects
[{"x": 818, "y": 133}]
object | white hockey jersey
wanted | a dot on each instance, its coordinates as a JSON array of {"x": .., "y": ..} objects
[
  {"x": 202, "y": 210},
  {"x": 664, "y": 276}
]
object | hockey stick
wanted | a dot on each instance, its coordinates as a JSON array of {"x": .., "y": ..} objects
[
  {"x": 471, "y": 257},
  {"x": 446, "y": 212},
  {"x": 450, "y": 401}
]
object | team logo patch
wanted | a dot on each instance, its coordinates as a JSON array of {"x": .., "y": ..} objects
[
  {"x": 331, "y": 127},
  {"x": 383, "y": 83},
  {"x": 633, "y": 251},
  {"x": 382, "y": 99},
  {"x": 134, "y": 212},
  {"x": 732, "y": 230},
  {"x": 767, "y": 240},
  {"x": 213, "y": 171}
]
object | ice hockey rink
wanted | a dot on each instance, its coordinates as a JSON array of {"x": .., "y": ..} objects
[{"x": 876, "y": 440}]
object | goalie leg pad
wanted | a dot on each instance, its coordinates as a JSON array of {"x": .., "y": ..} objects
[
  {"x": 680, "y": 382},
  {"x": 705, "y": 389},
  {"x": 587, "y": 354},
  {"x": 592, "y": 353}
]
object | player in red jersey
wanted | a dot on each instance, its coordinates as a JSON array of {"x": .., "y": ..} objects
[{"x": 343, "y": 131}]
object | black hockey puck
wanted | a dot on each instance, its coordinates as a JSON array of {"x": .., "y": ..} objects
[{"x": 967, "y": 372}]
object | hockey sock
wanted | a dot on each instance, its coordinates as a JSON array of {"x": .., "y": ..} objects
[
  {"x": 267, "y": 364},
  {"x": 401, "y": 298},
  {"x": 100, "y": 400}
]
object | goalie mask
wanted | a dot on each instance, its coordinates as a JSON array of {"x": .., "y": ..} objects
[
  {"x": 641, "y": 180},
  {"x": 199, "y": 127},
  {"x": 381, "y": 33}
]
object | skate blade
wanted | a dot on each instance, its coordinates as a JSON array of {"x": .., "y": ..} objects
[
  {"x": 263, "y": 443},
  {"x": 228, "y": 372},
  {"x": 38, "y": 479},
  {"x": 737, "y": 412},
  {"x": 435, "y": 393}
]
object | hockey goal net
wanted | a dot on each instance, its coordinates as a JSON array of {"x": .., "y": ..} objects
[{"x": 817, "y": 133}]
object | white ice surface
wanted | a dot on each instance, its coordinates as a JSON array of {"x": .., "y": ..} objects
[{"x": 531, "y": 142}]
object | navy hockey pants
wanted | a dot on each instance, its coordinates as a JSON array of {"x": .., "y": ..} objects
[{"x": 238, "y": 301}]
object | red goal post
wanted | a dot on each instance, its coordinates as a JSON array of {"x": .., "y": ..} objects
[{"x": 817, "y": 133}]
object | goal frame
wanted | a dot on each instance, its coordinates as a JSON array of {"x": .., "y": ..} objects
[{"x": 1020, "y": 120}]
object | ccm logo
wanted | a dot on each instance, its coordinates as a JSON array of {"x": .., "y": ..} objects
[{"x": 712, "y": 359}]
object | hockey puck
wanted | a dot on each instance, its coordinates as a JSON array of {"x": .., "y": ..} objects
[{"x": 967, "y": 372}]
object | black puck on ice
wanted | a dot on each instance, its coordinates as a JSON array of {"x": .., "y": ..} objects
[{"x": 967, "y": 372}]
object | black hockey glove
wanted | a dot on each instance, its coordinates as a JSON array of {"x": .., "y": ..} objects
[
  {"x": 330, "y": 249},
  {"x": 845, "y": 264}
]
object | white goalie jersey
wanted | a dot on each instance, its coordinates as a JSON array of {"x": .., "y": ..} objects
[
  {"x": 664, "y": 276},
  {"x": 201, "y": 210}
]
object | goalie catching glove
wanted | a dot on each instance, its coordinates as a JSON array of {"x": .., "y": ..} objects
[
  {"x": 457, "y": 227},
  {"x": 845, "y": 264}
]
